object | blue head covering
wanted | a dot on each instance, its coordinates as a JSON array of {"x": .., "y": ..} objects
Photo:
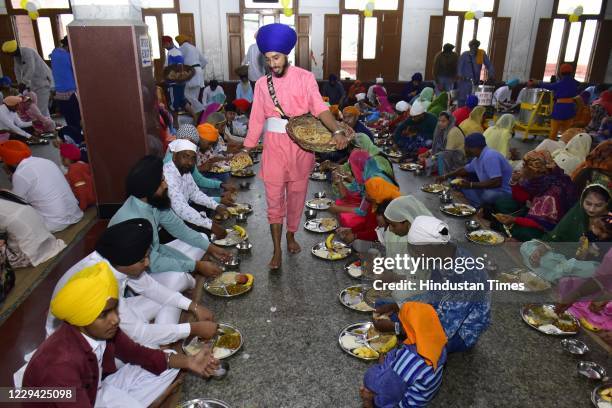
[
  {"x": 471, "y": 101},
  {"x": 417, "y": 77},
  {"x": 276, "y": 37},
  {"x": 512, "y": 82},
  {"x": 475, "y": 140},
  {"x": 6, "y": 81}
]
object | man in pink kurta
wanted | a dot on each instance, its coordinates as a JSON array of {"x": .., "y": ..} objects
[{"x": 285, "y": 167}]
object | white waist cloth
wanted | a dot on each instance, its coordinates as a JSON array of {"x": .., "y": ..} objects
[{"x": 276, "y": 125}]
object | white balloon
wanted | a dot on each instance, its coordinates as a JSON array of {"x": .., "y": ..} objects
[
  {"x": 31, "y": 6},
  {"x": 369, "y": 6},
  {"x": 578, "y": 11},
  {"x": 478, "y": 14}
]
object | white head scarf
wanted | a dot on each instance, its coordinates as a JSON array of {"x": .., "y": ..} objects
[
  {"x": 427, "y": 230},
  {"x": 574, "y": 153},
  {"x": 379, "y": 80},
  {"x": 402, "y": 106},
  {"x": 360, "y": 96},
  {"x": 406, "y": 208},
  {"x": 417, "y": 108},
  {"x": 180, "y": 145}
]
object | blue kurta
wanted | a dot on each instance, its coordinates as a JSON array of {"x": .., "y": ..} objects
[
  {"x": 163, "y": 258},
  {"x": 566, "y": 87}
]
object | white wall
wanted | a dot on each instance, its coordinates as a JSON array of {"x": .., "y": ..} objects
[{"x": 317, "y": 10}]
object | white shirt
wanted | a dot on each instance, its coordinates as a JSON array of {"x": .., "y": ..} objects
[
  {"x": 10, "y": 121},
  {"x": 41, "y": 183},
  {"x": 193, "y": 56},
  {"x": 502, "y": 94},
  {"x": 32, "y": 70},
  {"x": 182, "y": 189},
  {"x": 209, "y": 95},
  {"x": 98, "y": 347},
  {"x": 131, "y": 322},
  {"x": 255, "y": 60}
]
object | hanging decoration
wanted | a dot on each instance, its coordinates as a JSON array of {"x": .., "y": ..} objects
[
  {"x": 368, "y": 10},
  {"x": 288, "y": 12},
  {"x": 32, "y": 8},
  {"x": 578, "y": 11},
  {"x": 469, "y": 15},
  {"x": 573, "y": 18},
  {"x": 478, "y": 14}
]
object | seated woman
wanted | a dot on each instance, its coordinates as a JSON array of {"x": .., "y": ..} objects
[
  {"x": 554, "y": 145},
  {"x": 572, "y": 155},
  {"x": 549, "y": 192},
  {"x": 350, "y": 116},
  {"x": 447, "y": 151},
  {"x": 583, "y": 110},
  {"x": 498, "y": 136},
  {"x": 28, "y": 112},
  {"x": 574, "y": 236},
  {"x": 463, "y": 112},
  {"x": 465, "y": 315},
  {"x": 410, "y": 375},
  {"x": 357, "y": 209},
  {"x": 598, "y": 114},
  {"x": 426, "y": 97},
  {"x": 596, "y": 168},
  {"x": 28, "y": 241},
  {"x": 439, "y": 104},
  {"x": 473, "y": 124},
  {"x": 588, "y": 299},
  {"x": 383, "y": 102}
]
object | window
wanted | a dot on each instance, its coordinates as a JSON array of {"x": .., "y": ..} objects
[
  {"x": 370, "y": 27},
  {"x": 170, "y": 24},
  {"x": 65, "y": 19},
  {"x": 349, "y": 43},
  {"x": 45, "y": 4},
  {"x": 265, "y": 5},
  {"x": 46, "y": 36},
  {"x": 379, "y": 4},
  {"x": 471, "y": 5},
  {"x": 451, "y": 23},
  {"x": 586, "y": 49},
  {"x": 554, "y": 48},
  {"x": 151, "y": 22},
  {"x": 592, "y": 7},
  {"x": 158, "y": 4}
]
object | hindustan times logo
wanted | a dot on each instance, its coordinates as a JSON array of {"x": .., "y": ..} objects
[{"x": 413, "y": 264}]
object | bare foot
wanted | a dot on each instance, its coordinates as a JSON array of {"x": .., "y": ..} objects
[
  {"x": 276, "y": 261},
  {"x": 292, "y": 245}
]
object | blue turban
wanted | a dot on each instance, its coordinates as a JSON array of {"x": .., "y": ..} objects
[
  {"x": 5, "y": 81},
  {"x": 513, "y": 82},
  {"x": 475, "y": 140},
  {"x": 276, "y": 37},
  {"x": 373, "y": 116},
  {"x": 471, "y": 101}
]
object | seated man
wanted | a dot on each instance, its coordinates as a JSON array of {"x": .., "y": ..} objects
[
  {"x": 185, "y": 194},
  {"x": 234, "y": 126},
  {"x": 416, "y": 131},
  {"x": 10, "y": 121},
  {"x": 28, "y": 241},
  {"x": 148, "y": 198},
  {"x": 212, "y": 187},
  {"x": 81, "y": 353},
  {"x": 350, "y": 116},
  {"x": 212, "y": 151},
  {"x": 226, "y": 139},
  {"x": 78, "y": 175},
  {"x": 41, "y": 183},
  {"x": 409, "y": 376},
  {"x": 502, "y": 97},
  {"x": 124, "y": 248},
  {"x": 490, "y": 170}
]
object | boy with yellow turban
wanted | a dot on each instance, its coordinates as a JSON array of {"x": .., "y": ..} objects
[
  {"x": 152, "y": 317},
  {"x": 81, "y": 353}
]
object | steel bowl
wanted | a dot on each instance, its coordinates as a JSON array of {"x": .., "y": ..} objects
[
  {"x": 419, "y": 172},
  {"x": 221, "y": 372},
  {"x": 446, "y": 198},
  {"x": 233, "y": 264},
  {"x": 472, "y": 225},
  {"x": 574, "y": 346},
  {"x": 242, "y": 218},
  {"x": 310, "y": 214},
  {"x": 591, "y": 370},
  {"x": 244, "y": 246},
  {"x": 320, "y": 194},
  {"x": 244, "y": 185}
]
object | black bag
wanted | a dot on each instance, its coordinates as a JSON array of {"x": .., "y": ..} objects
[{"x": 7, "y": 275}]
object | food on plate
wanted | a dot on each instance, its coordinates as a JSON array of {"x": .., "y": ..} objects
[
  {"x": 319, "y": 203},
  {"x": 354, "y": 269},
  {"x": 485, "y": 237},
  {"x": 328, "y": 223},
  {"x": 459, "y": 209},
  {"x": 606, "y": 394},
  {"x": 239, "y": 209},
  {"x": 248, "y": 172},
  {"x": 230, "y": 339},
  {"x": 544, "y": 315},
  {"x": 587, "y": 325},
  {"x": 457, "y": 181},
  {"x": 234, "y": 236},
  {"x": 230, "y": 283},
  {"x": 434, "y": 188},
  {"x": 220, "y": 167},
  {"x": 329, "y": 241},
  {"x": 240, "y": 162}
]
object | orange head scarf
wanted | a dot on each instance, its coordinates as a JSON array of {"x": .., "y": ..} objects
[
  {"x": 335, "y": 111},
  {"x": 423, "y": 328},
  {"x": 380, "y": 190},
  {"x": 208, "y": 132},
  {"x": 351, "y": 110},
  {"x": 13, "y": 152},
  {"x": 598, "y": 159},
  {"x": 570, "y": 133}
]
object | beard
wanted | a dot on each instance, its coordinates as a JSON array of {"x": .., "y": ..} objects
[
  {"x": 282, "y": 73},
  {"x": 184, "y": 170},
  {"x": 161, "y": 202}
]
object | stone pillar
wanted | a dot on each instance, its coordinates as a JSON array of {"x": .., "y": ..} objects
[{"x": 113, "y": 66}]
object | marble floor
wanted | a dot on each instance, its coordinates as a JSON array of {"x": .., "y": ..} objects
[{"x": 291, "y": 321}]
